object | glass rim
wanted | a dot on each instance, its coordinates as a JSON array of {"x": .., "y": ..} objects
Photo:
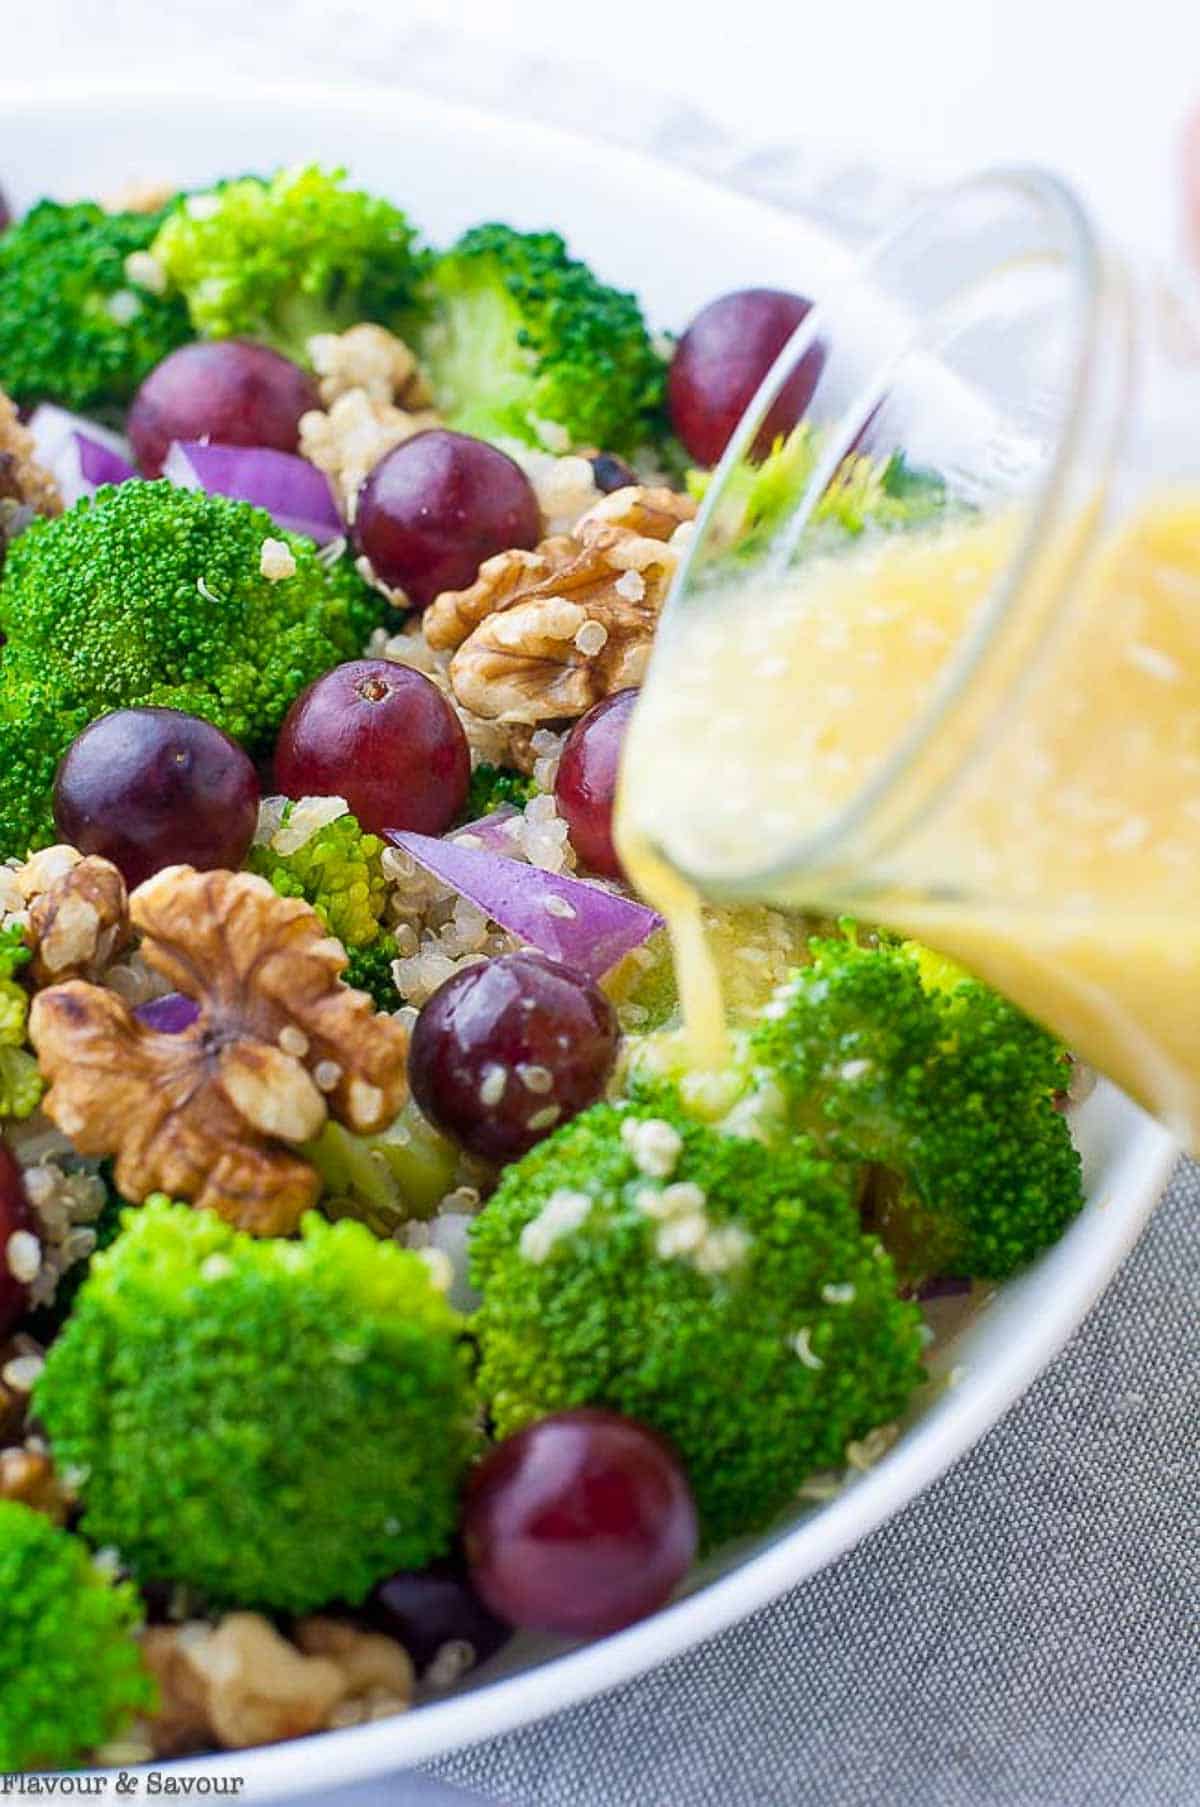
[{"x": 1083, "y": 418}]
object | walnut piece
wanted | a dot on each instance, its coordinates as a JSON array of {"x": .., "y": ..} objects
[
  {"x": 243, "y": 1683},
  {"x": 144, "y": 196},
  {"x": 208, "y": 1114},
  {"x": 377, "y": 1672},
  {"x": 543, "y": 635},
  {"x": 26, "y": 487},
  {"x": 79, "y": 925},
  {"x": 237, "y": 1685},
  {"x": 28, "y": 1475}
]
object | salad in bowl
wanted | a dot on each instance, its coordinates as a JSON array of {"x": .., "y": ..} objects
[{"x": 379, "y": 1273}]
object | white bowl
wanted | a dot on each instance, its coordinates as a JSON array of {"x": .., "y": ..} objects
[{"x": 677, "y": 241}]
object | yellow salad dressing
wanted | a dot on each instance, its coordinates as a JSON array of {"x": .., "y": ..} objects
[{"x": 1062, "y": 862}]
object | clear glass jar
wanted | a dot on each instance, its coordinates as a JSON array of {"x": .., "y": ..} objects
[{"x": 1026, "y": 795}]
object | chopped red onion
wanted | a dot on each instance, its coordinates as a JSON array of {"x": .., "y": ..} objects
[
  {"x": 293, "y": 491},
  {"x": 169, "y": 1015},
  {"x": 583, "y": 926},
  {"x": 80, "y": 454}
]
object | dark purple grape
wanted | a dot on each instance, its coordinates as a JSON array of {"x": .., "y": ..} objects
[
  {"x": 148, "y": 788},
  {"x": 440, "y": 1620},
  {"x": 586, "y": 786},
  {"x": 579, "y": 1524},
  {"x": 228, "y": 391},
  {"x": 383, "y": 737},
  {"x": 6, "y": 216},
  {"x": 16, "y": 1219},
  {"x": 610, "y": 472},
  {"x": 434, "y": 508},
  {"x": 720, "y": 362},
  {"x": 507, "y": 1050}
]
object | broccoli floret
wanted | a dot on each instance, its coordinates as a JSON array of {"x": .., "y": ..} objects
[
  {"x": 492, "y": 786},
  {"x": 148, "y": 594},
  {"x": 385, "y": 1180},
  {"x": 21, "y": 1084},
  {"x": 71, "y": 1673},
  {"x": 276, "y": 1424},
  {"x": 525, "y": 343},
  {"x": 338, "y": 872},
  {"x": 369, "y": 969},
  {"x": 286, "y": 257},
  {"x": 733, "y": 1303},
  {"x": 76, "y": 325},
  {"x": 946, "y": 1085},
  {"x": 759, "y": 498}
]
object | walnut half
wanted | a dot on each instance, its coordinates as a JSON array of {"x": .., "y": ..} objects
[
  {"x": 543, "y": 635},
  {"x": 213, "y": 1113}
]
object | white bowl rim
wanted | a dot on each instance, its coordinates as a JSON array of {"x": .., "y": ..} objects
[{"x": 926, "y": 1450}]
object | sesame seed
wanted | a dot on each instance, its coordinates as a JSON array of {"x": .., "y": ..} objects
[
  {"x": 592, "y": 637},
  {"x": 326, "y": 1075},
  {"x": 554, "y": 905},
  {"x": 535, "y": 1078},
  {"x": 854, "y": 1069},
  {"x": 216, "y": 1267},
  {"x": 21, "y": 1373},
  {"x": 23, "y": 1256},
  {"x": 802, "y": 1347},
  {"x": 546, "y": 1118},
  {"x": 492, "y": 1086},
  {"x": 293, "y": 1041},
  {"x": 145, "y": 272},
  {"x": 837, "y": 1294}
]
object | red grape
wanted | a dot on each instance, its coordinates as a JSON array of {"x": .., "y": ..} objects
[
  {"x": 383, "y": 737},
  {"x": 579, "y": 1524},
  {"x": 586, "y": 786},
  {"x": 227, "y": 390},
  {"x": 16, "y": 1217},
  {"x": 148, "y": 788},
  {"x": 434, "y": 508},
  {"x": 508, "y": 1049},
  {"x": 720, "y": 362},
  {"x": 439, "y": 1618}
]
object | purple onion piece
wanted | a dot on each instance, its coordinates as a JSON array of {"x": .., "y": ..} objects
[
  {"x": 292, "y": 491},
  {"x": 169, "y": 1015},
  {"x": 81, "y": 455},
  {"x": 579, "y": 924}
]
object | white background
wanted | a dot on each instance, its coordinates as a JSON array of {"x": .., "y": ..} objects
[{"x": 1097, "y": 87}]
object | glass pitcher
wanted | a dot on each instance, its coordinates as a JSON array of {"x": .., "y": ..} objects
[{"x": 942, "y": 671}]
